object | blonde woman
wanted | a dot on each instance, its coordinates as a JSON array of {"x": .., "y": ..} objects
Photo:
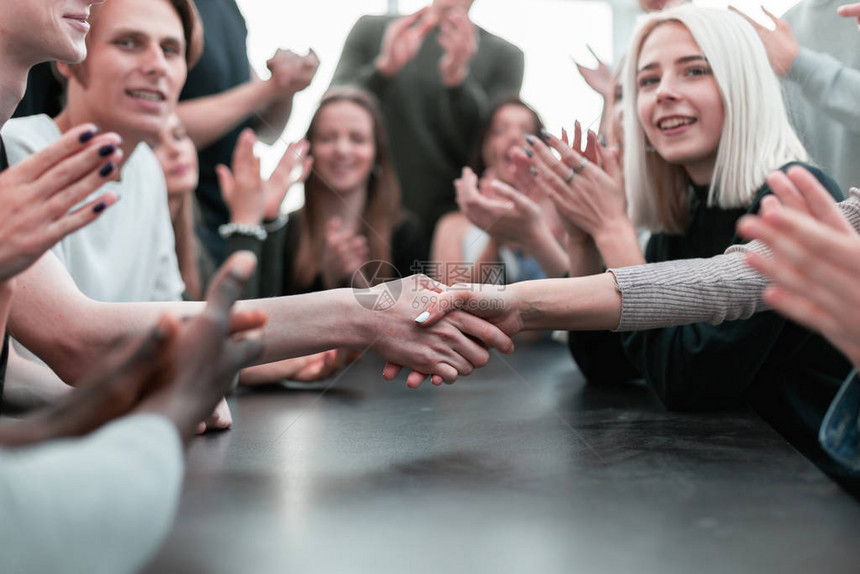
[{"x": 704, "y": 126}]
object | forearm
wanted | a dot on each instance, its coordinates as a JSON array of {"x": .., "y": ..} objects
[
  {"x": 30, "y": 385},
  {"x": 583, "y": 258},
  {"x": 207, "y": 119},
  {"x": 66, "y": 329},
  {"x": 551, "y": 257},
  {"x": 617, "y": 244},
  {"x": 829, "y": 84},
  {"x": 273, "y": 119},
  {"x": 183, "y": 230},
  {"x": 576, "y": 304},
  {"x": 304, "y": 324},
  {"x": 688, "y": 291}
]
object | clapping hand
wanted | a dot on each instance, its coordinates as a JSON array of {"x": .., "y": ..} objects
[
  {"x": 815, "y": 263},
  {"x": 344, "y": 253},
  {"x": 459, "y": 41},
  {"x": 402, "y": 39}
]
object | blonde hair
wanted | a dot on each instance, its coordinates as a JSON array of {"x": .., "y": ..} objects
[{"x": 756, "y": 135}]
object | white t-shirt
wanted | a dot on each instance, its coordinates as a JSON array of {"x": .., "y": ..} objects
[{"x": 127, "y": 254}]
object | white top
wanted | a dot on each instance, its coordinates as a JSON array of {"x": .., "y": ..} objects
[
  {"x": 103, "y": 503},
  {"x": 127, "y": 254}
]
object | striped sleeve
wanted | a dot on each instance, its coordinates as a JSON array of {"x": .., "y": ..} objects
[{"x": 713, "y": 290}]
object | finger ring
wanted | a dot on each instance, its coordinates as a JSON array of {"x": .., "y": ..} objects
[
  {"x": 581, "y": 166},
  {"x": 569, "y": 175}
]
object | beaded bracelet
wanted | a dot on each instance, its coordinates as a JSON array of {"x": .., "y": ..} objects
[{"x": 229, "y": 229}]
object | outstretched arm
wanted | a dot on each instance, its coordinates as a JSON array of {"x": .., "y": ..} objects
[{"x": 298, "y": 325}]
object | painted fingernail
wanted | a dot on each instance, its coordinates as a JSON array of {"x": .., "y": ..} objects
[
  {"x": 529, "y": 152},
  {"x": 533, "y": 171},
  {"x": 422, "y": 318},
  {"x": 530, "y": 139},
  {"x": 106, "y": 150},
  {"x": 99, "y": 207},
  {"x": 545, "y": 134},
  {"x": 107, "y": 169},
  {"x": 87, "y": 136}
]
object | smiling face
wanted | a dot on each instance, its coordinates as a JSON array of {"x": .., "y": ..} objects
[
  {"x": 678, "y": 100},
  {"x": 48, "y": 29},
  {"x": 178, "y": 157},
  {"x": 508, "y": 128},
  {"x": 135, "y": 68},
  {"x": 343, "y": 148}
]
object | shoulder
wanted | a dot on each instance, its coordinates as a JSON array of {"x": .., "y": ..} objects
[
  {"x": 372, "y": 24},
  {"x": 25, "y": 136},
  {"x": 144, "y": 164},
  {"x": 143, "y": 174},
  {"x": 497, "y": 45},
  {"x": 828, "y": 182}
]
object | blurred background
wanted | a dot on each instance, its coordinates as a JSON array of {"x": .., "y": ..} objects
[{"x": 551, "y": 33}]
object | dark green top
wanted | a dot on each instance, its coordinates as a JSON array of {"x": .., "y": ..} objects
[
  {"x": 786, "y": 372},
  {"x": 430, "y": 128}
]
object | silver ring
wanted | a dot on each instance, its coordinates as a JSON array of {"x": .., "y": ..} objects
[
  {"x": 581, "y": 166},
  {"x": 569, "y": 175}
]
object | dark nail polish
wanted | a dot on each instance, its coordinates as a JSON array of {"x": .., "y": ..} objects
[
  {"x": 529, "y": 152},
  {"x": 106, "y": 150},
  {"x": 107, "y": 169},
  {"x": 530, "y": 139},
  {"x": 533, "y": 171},
  {"x": 545, "y": 134},
  {"x": 99, "y": 207},
  {"x": 86, "y": 136}
]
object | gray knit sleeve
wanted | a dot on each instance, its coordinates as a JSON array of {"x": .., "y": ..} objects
[{"x": 713, "y": 290}]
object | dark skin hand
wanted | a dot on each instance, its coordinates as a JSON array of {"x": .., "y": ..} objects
[{"x": 179, "y": 369}]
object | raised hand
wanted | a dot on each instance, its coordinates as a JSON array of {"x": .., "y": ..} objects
[
  {"x": 242, "y": 188},
  {"x": 459, "y": 40},
  {"x": 284, "y": 177},
  {"x": 588, "y": 197},
  {"x": 402, "y": 39},
  {"x": 815, "y": 263},
  {"x": 850, "y": 11},
  {"x": 598, "y": 78},
  {"x": 781, "y": 45},
  {"x": 343, "y": 254},
  {"x": 39, "y": 193},
  {"x": 291, "y": 72},
  {"x": 509, "y": 216}
]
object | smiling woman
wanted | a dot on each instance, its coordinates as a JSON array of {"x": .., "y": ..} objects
[
  {"x": 704, "y": 124},
  {"x": 351, "y": 225}
]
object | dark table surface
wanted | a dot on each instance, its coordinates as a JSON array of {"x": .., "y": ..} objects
[{"x": 520, "y": 467}]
